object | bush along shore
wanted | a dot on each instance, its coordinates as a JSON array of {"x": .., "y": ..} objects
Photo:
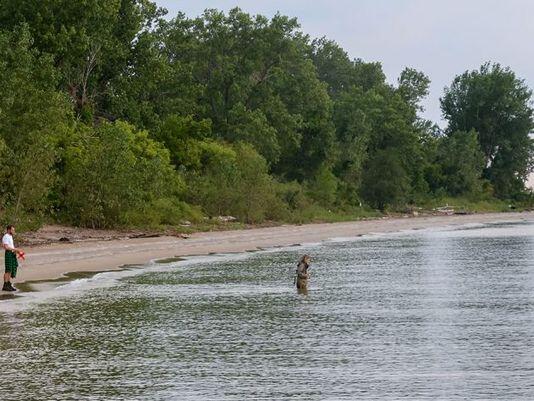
[{"x": 112, "y": 116}]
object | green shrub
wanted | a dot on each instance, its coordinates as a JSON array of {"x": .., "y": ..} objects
[
  {"x": 323, "y": 188},
  {"x": 233, "y": 180},
  {"x": 162, "y": 212},
  {"x": 112, "y": 170}
]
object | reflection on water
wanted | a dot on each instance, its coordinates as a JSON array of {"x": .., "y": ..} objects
[{"x": 426, "y": 315}]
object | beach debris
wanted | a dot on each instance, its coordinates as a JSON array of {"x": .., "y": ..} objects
[
  {"x": 145, "y": 235},
  {"x": 64, "y": 239},
  {"x": 226, "y": 219},
  {"x": 182, "y": 235},
  {"x": 412, "y": 211},
  {"x": 447, "y": 210},
  {"x": 462, "y": 212}
]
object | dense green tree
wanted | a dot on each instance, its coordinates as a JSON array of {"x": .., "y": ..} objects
[
  {"x": 353, "y": 131},
  {"x": 497, "y": 105},
  {"x": 159, "y": 82},
  {"x": 33, "y": 119},
  {"x": 333, "y": 65},
  {"x": 340, "y": 72},
  {"x": 458, "y": 166},
  {"x": 92, "y": 43},
  {"x": 370, "y": 116},
  {"x": 413, "y": 86},
  {"x": 111, "y": 115},
  {"x": 183, "y": 138},
  {"x": 369, "y": 125},
  {"x": 256, "y": 84},
  {"x": 386, "y": 182}
]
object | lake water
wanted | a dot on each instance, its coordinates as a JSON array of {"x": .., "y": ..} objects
[{"x": 433, "y": 314}]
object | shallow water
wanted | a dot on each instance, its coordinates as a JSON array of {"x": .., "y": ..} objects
[{"x": 432, "y": 314}]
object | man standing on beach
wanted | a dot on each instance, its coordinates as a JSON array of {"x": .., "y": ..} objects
[{"x": 10, "y": 258}]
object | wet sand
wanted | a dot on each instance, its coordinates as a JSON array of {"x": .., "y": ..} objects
[{"x": 53, "y": 261}]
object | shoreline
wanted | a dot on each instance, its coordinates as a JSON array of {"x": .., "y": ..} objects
[{"x": 55, "y": 261}]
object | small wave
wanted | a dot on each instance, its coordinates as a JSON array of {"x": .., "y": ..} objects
[
  {"x": 47, "y": 291},
  {"x": 51, "y": 290}
]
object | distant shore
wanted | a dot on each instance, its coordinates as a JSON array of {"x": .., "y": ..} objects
[{"x": 47, "y": 262}]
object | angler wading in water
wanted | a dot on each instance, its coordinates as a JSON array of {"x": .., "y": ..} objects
[{"x": 302, "y": 275}]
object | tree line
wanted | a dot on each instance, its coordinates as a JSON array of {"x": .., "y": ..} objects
[{"x": 112, "y": 115}]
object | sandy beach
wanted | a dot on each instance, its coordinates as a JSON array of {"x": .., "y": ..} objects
[{"x": 52, "y": 261}]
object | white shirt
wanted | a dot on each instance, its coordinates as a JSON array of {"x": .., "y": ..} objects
[{"x": 7, "y": 239}]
